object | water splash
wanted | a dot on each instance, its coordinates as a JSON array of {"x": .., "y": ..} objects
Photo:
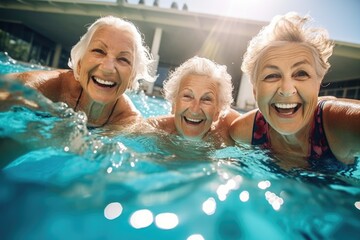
[
  {"x": 8, "y": 64},
  {"x": 33, "y": 120}
]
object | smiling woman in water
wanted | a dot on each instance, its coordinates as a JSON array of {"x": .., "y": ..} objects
[
  {"x": 200, "y": 93},
  {"x": 286, "y": 63},
  {"x": 107, "y": 61}
]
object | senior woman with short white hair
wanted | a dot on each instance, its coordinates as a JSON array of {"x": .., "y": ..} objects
[
  {"x": 286, "y": 63},
  {"x": 109, "y": 59},
  {"x": 200, "y": 93}
]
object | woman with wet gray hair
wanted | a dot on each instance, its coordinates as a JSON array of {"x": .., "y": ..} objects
[
  {"x": 286, "y": 63},
  {"x": 109, "y": 59},
  {"x": 200, "y": 93},
  {"x": 142, "y": 58}
]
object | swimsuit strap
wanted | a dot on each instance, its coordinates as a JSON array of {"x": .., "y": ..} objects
[
  {"x": 112, "y": 111},
  {"x": 319, "y": 144},
  {"x": 107, "y": 120},
  {"x": 260, "y": 131},
  {"x": 78, "y": 99}
]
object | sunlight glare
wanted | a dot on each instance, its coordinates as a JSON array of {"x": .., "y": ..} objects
[
  {"x": 141, "y": 218},
  {"x": 244, "y": 196},
  {"x": 357, "y": 205},
  {"x": 166, "y": 220},
  {"x": 195, "y": 237},
  {"x": 113, "y": 210},
  {"x": 264, "y": 184},
  {"x": 274, "y": 200},
  {"x": 209, "y": 206}
]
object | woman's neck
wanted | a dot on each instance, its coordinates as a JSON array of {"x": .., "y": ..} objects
[
  {"x": 298, "y": 143},
  {"x": 98, "y": 114}
]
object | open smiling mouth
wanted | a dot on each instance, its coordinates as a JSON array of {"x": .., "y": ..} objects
[
  {"x": 193, "y": 121},
  {"x": 286, "y": 108},
  {"x": 103, "y": 83}
]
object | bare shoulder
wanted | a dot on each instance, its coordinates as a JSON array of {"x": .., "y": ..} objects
[
  {"x": 127, "y": 103},
  {"x": 231, "y": 116},
  {"x": 126, "y": 110},
  {"x": 341, "y": 110},
  {"x": 241, "y": 127},
  {"x": 165, "y": 123},
  {"x": 225, "y": 121},
  {"x": 341, "y": 121}
]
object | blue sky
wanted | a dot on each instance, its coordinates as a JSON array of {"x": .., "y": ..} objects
[{"x": 340, "y": 17}]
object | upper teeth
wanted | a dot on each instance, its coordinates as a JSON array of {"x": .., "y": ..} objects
[
  {"x": 285, "y": 105},
  {"x": 104, "y": 81},
  {"x": 193, "y": 120}
]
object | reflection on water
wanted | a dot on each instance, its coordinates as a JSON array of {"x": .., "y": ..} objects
[{"x": 62, "y": 181}]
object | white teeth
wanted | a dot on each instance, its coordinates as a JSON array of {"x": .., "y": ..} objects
[
  {"x": 285, "y": 105},
  {"x": 109, "y": 83},
  {"x": 193, "y": 120}
]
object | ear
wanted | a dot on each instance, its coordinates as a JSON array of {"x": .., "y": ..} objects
[{"x": 254, "y": 92}]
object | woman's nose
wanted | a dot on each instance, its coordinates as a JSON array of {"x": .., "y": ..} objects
[
  {"x": 195, "y": 107},
  {"x": 107, "y": 65},
  {"x": 287, "y": 89}
]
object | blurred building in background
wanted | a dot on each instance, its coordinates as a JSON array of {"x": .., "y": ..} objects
[{"x": 43, "y": 32}]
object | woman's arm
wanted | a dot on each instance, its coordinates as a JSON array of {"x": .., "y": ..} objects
[{"x": 49, "y": 83}]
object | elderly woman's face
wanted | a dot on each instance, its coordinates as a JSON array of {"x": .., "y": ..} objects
[
  {"x": 287, "y": 87},
  {"x": 106, "y": 69},
  {"x": 196, "y": 106}
]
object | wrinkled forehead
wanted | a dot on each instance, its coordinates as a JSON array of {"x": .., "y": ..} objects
[
  {"x": 199, "y": 84},
  {"x": 108, "y": 33},
  {"x": 277, "y": 52},
  {"x": 284, "y": 52}
]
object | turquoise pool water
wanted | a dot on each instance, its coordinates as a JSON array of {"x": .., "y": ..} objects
[{"x": 61, "y": 181}]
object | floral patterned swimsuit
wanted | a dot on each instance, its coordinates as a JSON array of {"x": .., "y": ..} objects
[{"x": 319, "y": 144}]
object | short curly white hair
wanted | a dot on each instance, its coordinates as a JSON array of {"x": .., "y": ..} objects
[
  {"x": 290, "y": 27},
  {"x": 201, "y": 66},
  {"x": 142, "y": 59}
]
